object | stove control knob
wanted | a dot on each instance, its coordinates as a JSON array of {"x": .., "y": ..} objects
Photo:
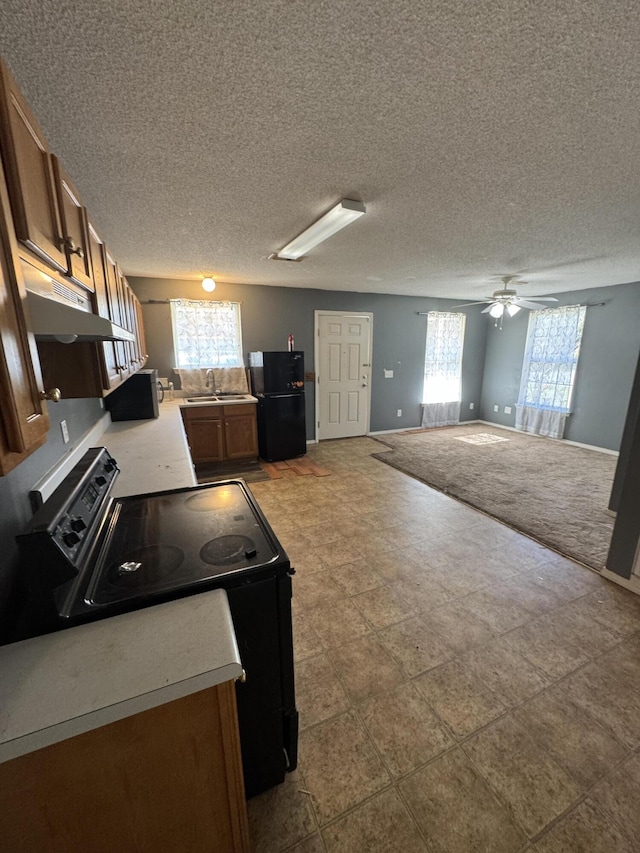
[
  {"x": 250, "y": 552},
  {"x": 78, "y": 525},
  {"x": 109, "y": 466},
  {"x": 100, "y": 481},
  {"x": 70, "y": 539}
]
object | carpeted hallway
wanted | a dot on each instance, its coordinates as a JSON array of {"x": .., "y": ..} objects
[{"x": 460, "y": 687}]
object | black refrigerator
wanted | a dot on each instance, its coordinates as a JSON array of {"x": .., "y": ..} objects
[{"x": 277, "y": 380}]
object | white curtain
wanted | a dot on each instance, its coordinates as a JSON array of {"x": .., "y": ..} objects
[
  {"x": 440, "y": 414},
  {"x": 540, "y": 421},
  {"x": 206, "y": 333},
  {"x": 443, "y": 369},
  {"x": 549, "y": 369}
]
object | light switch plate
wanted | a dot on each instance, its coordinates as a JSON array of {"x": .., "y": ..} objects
[
  {"x": 388, "y": 374},
  {"x": 507, "y": 410},
  {"x": 64, "y": 431}
]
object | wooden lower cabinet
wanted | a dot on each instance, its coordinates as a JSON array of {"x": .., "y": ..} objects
[
  {"x": 221, "y": 433},
  {"x": 206, "y": 439},
  {"x": 163, "y": 780}
]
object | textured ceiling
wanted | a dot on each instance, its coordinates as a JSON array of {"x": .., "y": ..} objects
[{"x": 485, "y": 138}]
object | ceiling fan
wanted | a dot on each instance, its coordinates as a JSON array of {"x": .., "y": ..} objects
[{"x": 507, "y": 299}]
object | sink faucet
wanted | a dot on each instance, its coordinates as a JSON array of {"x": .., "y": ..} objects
[{"x": 209, "y": 379}]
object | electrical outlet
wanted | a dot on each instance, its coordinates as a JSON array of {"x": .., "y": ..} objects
[
  {"x": 507, "y": 410},
  {"x": 472, "y": 405},
  {"x": 399, "y": 413},
  {"x": 64, "y": 431},
  {"x": 496, "y": 408},
  {"x": 388, "y": 374}
]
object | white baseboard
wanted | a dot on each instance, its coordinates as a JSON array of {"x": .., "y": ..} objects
[
  {"x": 388, "y": 431},
  {"x": 561, "y": 440},
  {"x": 632, "y": 583}
]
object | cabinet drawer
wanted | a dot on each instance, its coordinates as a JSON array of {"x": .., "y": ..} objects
[{"x": 239, "y": 409}]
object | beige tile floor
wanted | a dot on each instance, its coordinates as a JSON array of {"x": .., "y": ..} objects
[{"x": 460, "y": 687}]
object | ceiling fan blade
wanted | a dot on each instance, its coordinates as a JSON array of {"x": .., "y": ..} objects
[
  {"x": 533, "y": 306},
  {"x": 466, "y": 304},
  {"x": 540, "y": 298}
]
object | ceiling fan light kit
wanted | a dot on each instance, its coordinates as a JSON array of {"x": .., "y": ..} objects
[{"x": 507, "y": 299}]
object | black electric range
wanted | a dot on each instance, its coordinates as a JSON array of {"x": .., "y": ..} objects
[{"x": 87, "y": 555}]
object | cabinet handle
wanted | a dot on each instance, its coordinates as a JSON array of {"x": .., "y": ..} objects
[
  {"x": 242, "y": 678},
  {"x": 72, "y": 248},
  {"x": 54, "y": 395}
]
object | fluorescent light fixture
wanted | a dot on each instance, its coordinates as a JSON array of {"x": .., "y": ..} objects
[
  {"x": 513, "y": 309},
  {"x": 497, "y": 310},
  {"x": 342, "y": 214}
]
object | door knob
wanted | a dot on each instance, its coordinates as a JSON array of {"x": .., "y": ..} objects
[{"x": 54, "y": 395}]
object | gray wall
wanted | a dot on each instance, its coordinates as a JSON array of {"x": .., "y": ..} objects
[
  {"x": 608, "y": 357},
  {"x": 269, "y": 314},
  {"x": 15, "y": 510}
]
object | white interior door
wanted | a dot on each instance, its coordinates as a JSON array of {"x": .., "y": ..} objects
[{"x": 344, "y": 368}]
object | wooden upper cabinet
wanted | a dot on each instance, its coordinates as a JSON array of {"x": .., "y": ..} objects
[
  {"x": 29, "y": 174},
  {"x": 111, "y": 376},
  {"x": 75, "y": 231},
  {"x": 24, "y": 419}
]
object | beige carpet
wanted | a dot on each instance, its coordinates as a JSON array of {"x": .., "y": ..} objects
[{"x": 552, "y": 491}]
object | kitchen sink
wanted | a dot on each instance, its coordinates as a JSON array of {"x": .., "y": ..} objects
[{"x": 220, "y": 399}]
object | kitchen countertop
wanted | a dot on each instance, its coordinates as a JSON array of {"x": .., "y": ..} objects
[
  {"x": 63, "y": 684},
  {"x": 152, "y": 454}
]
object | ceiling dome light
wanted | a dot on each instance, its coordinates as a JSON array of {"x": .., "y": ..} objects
[
  {"x": 497, "y": 310},
  {"x": 208, "y": 284},
  {"x": 513, "y": 309}
]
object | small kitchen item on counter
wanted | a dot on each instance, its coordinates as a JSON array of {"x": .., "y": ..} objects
[
  {"x": 277, "y": 380},
  {"x": 290, "y": 345},
  {"x": 167, "y": 388},
  {"x": 136, "y": 399},
  {"x": 86, "y": 555}
]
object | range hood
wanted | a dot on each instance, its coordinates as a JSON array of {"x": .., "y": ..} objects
[{"x": 58, "y": 313}]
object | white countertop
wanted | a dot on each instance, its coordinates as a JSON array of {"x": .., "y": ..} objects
[
  {"x": 152, "y": 454},
  {"x": 63, "y": 684}
]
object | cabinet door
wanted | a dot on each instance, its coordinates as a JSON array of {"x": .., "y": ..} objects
[
  {"x": 75, "y": 235},
  {"x": 24, "y": 419},
  {"x": 241, "y": 435},
  {"x": 108, "y": 362},
  {"x": 29, "y": 176},
  {"x": 206, "y": 439},
  {"x": 140, "y": 335},
  {"x": 116, "y": 313}
]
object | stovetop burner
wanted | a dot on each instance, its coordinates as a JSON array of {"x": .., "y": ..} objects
[{"x": 226, "y": 550}]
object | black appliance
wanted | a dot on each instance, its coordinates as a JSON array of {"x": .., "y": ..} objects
[
  {"x": 87, "y": 555},
  {"x": 277, "y": 380},
  {"x": 137, "y": 398}
]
